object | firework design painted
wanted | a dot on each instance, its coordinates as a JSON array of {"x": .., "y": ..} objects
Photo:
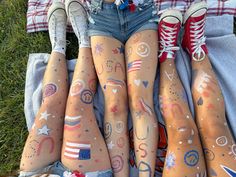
[
  {"x": 170, "y": 160},
  {"x": 134, "y": 65}
]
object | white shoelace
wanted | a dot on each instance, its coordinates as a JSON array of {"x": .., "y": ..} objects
[
  {"x": 57, "y": 36},
  {"x": 197, "y": 38},
  {"x": 168, "y": 34}
]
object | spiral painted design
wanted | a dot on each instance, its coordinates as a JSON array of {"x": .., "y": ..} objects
[{"x": 117, "y": 163}]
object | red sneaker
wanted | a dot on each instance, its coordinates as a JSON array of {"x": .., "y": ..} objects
[
  {"x": 194, "y": 35},
  {"x": 169, "y": 27}
]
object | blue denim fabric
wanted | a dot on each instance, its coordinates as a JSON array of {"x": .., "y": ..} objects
[
  {"x": 58, "y": 168},
  {"x": 106, "y": 19}
]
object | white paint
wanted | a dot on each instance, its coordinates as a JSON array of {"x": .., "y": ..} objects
[
  {"x": 33, "y": 126},
  {"x": 143, "y": 49},
  {"x": 119, "y": 126},
  {"x": 72, "y": 118},
  {"x": 170, "y": 76},
  {"x": 190, "y": 141},
  {"x": 110, "y": 145},
  {"x": 201, "y": 81},
  {"x": 44, "y": 130},
  {"x": 78, "y": 145},
  {"x": 137, "y": 82},
  {"x": 222, "y": 141},
  {"x": 44, "y": 115},
  {"x": 114, "y": 90}
]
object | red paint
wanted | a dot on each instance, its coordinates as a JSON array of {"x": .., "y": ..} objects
[
  {"x": 120, "y": 142},
  {"x": 119, "y": 66},
  {"x": 114, "y": 109},
  {"x": 205, "y": 94},
  {"x": 93, "y": 84},
  {"x": 71, "y": 128},
  {"x": 115, "y": 51},
  {"x": 176, "y": 108},
  {"x": 210, "y": 106},
  {"x": 51, "y": 149},
  {"x": 97, "y": 160},
  {"x": 142, "y": 147}
]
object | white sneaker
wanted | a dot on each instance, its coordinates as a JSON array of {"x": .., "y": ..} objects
[
  {"x": 79, "y": 21},
  {"x": 57, "y": 21}
]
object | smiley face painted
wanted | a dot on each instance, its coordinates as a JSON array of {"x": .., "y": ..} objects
[{"x": 143, "y": 49}]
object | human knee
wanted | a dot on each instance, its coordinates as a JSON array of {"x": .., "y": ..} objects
[
  {"x": 141, "y": 101},
  {"x": 116, "y": 104},
  {"x": 184, "y": 132}
]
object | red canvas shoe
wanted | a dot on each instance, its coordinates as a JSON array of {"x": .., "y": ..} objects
[
  {"x": 194, "y": 35},
  {"x": 169, "y": 27}
]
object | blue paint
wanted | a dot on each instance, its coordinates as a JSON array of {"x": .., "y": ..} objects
[
  {"x": 86, "y": 96},
  {"x": 72, "y": 123},
  {"x": 124, "y": 5},
  {"x": 191, "y": 158},
  {"x": 121, "y": 49},
  {"x": 231, "y": 172},
  {"x": 145, "y": 83},
  {"x": 84, "y": 154}
]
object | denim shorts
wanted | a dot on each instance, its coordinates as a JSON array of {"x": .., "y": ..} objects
[
  {"x": 57, "y": 169},
  {"x": 106, "y": 19}
]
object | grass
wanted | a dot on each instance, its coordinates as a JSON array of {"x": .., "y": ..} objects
[{"x": 15, "y": 46}]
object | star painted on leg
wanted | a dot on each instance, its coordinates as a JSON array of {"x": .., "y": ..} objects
[
  {"x": 44, "y": 130},
  {"x": 110, "y": 145},
  {"x": 229, "y": 171},
  {"x": 121, "y": 49},
  {"x": 44, "y": 115}
]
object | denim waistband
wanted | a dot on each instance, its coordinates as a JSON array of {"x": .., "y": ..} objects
[{"x": 97, "y": 5}]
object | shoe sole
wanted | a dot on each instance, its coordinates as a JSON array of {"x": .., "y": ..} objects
[
  {"x": 193, "y": 9},
  {"x": 172, "y": 13},
  {"x": 68, "y": 3},
  {"x": 55, "y": 6}
]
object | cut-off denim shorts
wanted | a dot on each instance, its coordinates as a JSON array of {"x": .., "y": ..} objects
[
  {"x": 106, "y": 19},
  {"x": 58, "y": 169}
]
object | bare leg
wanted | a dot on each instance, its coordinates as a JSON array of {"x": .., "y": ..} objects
[
  {"x": 43, "y": 145},
  {"x": 141, "y": 57},
  {"x": 218, "y": 143},
  {"x": 81, "y": 132},
  {"x": 110, "y": 67},
  {"x": 184, "y": 154}
]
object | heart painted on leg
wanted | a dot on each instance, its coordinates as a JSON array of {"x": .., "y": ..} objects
[
  {"x": 145, "y": 83},
  {"x": 137, "y": 82},
  {"x": 114, "y": 90},
  {"x": 200, "y": 101}
]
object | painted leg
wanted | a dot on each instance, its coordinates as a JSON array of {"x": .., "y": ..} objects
[
  {"x": 141, "y": 57},
  {"x": 43, "y": 145},
  {"x": 84, "y": 148},
  {"x": 184, "y": 154},
  {"x": 218, "y": 142},
  {"x": 108, "y": 56}
]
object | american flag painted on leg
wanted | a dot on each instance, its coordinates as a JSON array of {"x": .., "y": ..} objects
[{"x": 77, "y": 151}]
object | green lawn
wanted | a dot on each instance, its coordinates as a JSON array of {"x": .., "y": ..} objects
[{"x": 15, "y": 46}]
